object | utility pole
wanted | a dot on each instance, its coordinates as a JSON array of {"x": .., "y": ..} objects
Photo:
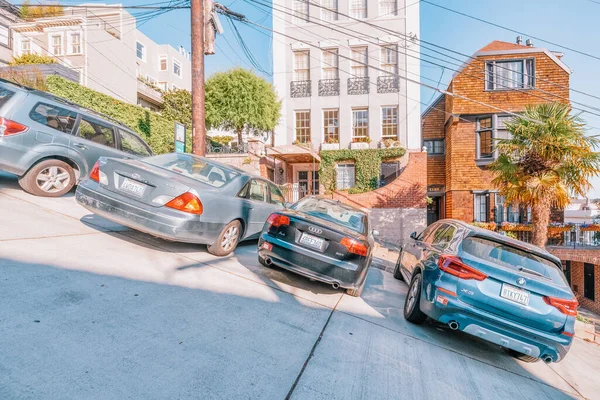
[{"x": 198, "y": 111}]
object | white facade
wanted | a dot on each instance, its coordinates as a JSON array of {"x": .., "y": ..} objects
[
  {"x": 328, "y": 53},
  {"x": 581, "y": 211}
]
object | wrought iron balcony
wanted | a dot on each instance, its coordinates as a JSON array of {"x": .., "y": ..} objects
[
  {"x": 300, "y": 89},
  {"x": 388, "y": 84},
  {"x": 358, "y": 85},
  {"x": 329, "y": 87}
]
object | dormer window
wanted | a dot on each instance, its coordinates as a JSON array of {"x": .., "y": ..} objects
[{"x": 510, "y": 74}]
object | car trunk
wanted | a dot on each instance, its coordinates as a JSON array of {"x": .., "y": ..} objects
[{"x": 513, "y": 289}]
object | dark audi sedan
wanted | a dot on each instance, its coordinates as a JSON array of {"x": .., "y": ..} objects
[{"x": 321, "y": 239}]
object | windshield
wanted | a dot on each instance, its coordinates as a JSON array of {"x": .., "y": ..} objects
[
  {"x": 333, "y": 212},
  {"x": 512, "y": 257},
  {"x": 197, "y": 168}
]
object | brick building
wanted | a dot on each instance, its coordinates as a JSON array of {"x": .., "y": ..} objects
[{"x": 459, "y": 133}]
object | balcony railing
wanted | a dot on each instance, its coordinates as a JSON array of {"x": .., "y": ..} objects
[
  {"x": 358, "y": 85},
  {"x": 300, "y": 89},
  {"x": 329, "y": 87},
  {"x": 388, "y": 84}
]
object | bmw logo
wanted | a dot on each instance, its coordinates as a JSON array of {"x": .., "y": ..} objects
[{"x": 521, "y": 281}]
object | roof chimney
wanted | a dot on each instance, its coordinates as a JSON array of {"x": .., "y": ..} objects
[
  {"x": 519, "y": 39},
  {"x": 529, "y": 43}
]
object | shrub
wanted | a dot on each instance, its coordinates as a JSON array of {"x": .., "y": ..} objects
[
  {"x": 33, "y": 78},
  {"x": 32, "y": 58}
]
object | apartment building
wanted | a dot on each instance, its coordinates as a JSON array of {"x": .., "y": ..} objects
[
  {"x": 459, "y": 132},
  {"x": 9, "y": 15},
  {"x": 101, "y": 42}
]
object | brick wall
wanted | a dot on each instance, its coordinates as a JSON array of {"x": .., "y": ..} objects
[{"x": 578, "y": 257}]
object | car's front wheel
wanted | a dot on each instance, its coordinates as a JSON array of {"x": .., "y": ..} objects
[
  {"x": 412, "y": 303},
  {"x": 227, "y": 240},
  {"x": 49, "y": 178}
]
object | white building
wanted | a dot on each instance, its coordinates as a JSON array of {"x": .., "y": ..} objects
[
  {"x": 339, "y": 68},
  {"x": 581, "y": 211}
]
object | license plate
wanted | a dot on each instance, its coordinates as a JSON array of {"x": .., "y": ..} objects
[
  {"x": 133, "y": 187},
  {"x": 515, "y": 294},
  {"x": 312, "y": 241}
]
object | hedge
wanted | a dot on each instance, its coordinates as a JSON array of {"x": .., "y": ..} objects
[
  {"x": 154, "y": 128},
  {"x": 367, "y": 166}
]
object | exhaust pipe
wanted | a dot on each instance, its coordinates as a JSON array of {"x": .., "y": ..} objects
[
  {"x": 335, "y": 285},
  {"x": 547, "y": 359},
  {"x": 268, "y": 261},
  {"x": 453, "y": 325}
]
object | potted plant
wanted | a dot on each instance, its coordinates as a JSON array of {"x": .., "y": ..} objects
[
  {"x": 359, "y": 143},
  {"x": 388, "y": 143},
  {"x": 330, "y": 143}
]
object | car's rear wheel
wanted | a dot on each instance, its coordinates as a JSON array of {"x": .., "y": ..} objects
[
  {"x": 521, "y": 356},
  {"x": 227, "y": 240},
  {"x": 412, "y": 303},
  {"x": 358, "y": 291},
  {"x": 397, "y": 271},
  {"x": 49, "y": 178}
]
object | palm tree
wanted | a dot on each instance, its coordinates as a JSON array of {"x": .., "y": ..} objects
[{"x": 548, "y": 158}]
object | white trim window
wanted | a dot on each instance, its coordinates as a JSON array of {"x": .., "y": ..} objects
[
  {"x": 300, "y": 11},
  {"x": 140, "y": 51},
  {"x": 301, "y": 65},
  {"x": 329, "y": 12},
  {"x": 5, "y": 36},
  {"x": 177, "y": 68},
  {"x": 360, "y": 122},
  {"x": 75, "y": 43},
  {"x": 389, "y": 59},
  {"x": 330, "y": 64},
  {"x": 163, "y": 62},
  {"x": 56, "y": 45},
  {"x": 344, "y": 176},
  {"x": 26, "y": 46},
  {"x": 481, "y": 207},
  {"x": 303, "y": 126},
  {"x": 389, "y": 122},
  {"x": 388, "y": 7},
  {"x": 164, "y": 86},
  {"x": 358, "y": 9},
  {"x": 331, "y": 126},
  {"x": 510, "y": 74},
  {"x": 360, "y": 61}
]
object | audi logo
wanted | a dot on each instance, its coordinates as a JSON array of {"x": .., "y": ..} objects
[{"x": 315, "y": 230}]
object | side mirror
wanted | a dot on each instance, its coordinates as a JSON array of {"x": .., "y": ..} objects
[
  {"x": 413, "y": 235},
  {"x": 375, "y": 232}
]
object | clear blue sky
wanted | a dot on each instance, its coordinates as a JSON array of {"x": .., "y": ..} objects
[{"x": 573, "y": 24}]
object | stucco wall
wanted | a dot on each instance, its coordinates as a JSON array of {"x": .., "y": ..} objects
[{"x": 396, "y": 224}]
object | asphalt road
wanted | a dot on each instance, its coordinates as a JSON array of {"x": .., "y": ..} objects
[{"x": 91, "y": 310}]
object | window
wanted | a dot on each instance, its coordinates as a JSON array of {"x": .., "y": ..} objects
[
  {"x": 389, "y": 59},
  {"x": 150, "y": 80},
  {"x": 511, "y": 74},
  {"x": 162, "y": 63},
  {"x": 485, "y": 138},
  {"x": 358, "y": 8},
  {"x": 177, "y": 68},
  {"x": 335, "y": 212},
  {"x": 5, "y": 96},
  {"x": 140, "y": 51},
  {"x": 197, "y": 168},
  {"x": 331, "y": 126},
  {"x": 389, "y": 122},
  {"x": 300, "y": 11},
  {"x": 344, "y": 176},
  {"x": 56, "y": 43},
  {"x": 54, "y": 117},
  {"x": 26, "y": 46},
  {"x": 276, "y": 196},
  {"x": 434, "y": 146},
  {"x": 443, "y": 237},
  {"x": 75, "y": 43},
  {"x": 132, "y": 144},
  {"x": 360, "y": 122},
  {"x": 258, "y": 190},
  {"x": 329, "y": 10},
  {"x": 96, "y": 132},
  {"x": 481, "y": 208},
  {"x": 4, "y": 36},
  {"x": 360, "y": 62},
  {"x": 301, "y": 65},
  {"x": 303, "y": 126},
  {"x": 510, "y": 213},
  {"x": 164, "y": 86},
  {"x": 388, "y": 7},
  {"x": 330, "y": 64}
]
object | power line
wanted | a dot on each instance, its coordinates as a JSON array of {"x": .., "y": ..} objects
[{"x": 100, "y": 6}]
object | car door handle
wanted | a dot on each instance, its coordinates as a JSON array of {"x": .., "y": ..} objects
[{"x": 80, "y": 145}]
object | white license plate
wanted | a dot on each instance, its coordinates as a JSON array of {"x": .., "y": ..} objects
[
  {"x": 515, "y": 294},
  {"x": 312, "y": 241},
  {"x": 133, "y": 187}
]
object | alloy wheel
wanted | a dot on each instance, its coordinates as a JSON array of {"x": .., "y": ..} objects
[
  {"x": 53, "y": 179},
  {"x": 413, "y": 292},
  {"x": 230, "y": 238}
]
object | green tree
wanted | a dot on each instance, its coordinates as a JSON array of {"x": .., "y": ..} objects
[
  {"x": 28, "y": 11},
  {"x": 238, "y": 99},
  {"x": 177, "y": 105},
  {"x": 548, "y": 158},
  {"x": 32, "y": 59}
]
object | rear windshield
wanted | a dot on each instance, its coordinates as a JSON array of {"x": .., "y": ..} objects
[
  {"x": 194, "y": 167},
  {"x": 333, "y": 212},
  {"x": 5, "y": 95},
  {"x": 512, "y": 257}
]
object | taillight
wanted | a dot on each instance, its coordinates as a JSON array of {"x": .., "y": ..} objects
[
  {"x": 354, "y": 246},
  {"x": 187, "y": 202},
  {"x": 95, "y": 172},
  {"x": 278, "y": 220},
  {"x": 8, "y": 127},
  {"x": 567, "y": 307},
  {"x": 454, "y": 266}
]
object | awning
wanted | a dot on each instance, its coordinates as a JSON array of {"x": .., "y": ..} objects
[{"x": 291, "y": 153}]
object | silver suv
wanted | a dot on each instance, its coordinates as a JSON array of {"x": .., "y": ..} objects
[{"x": 51, "y": 143}]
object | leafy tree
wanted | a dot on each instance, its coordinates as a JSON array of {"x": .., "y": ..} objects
[
  {"x": 177, "y": 105},
  {"x": 28, "y": 11},
  {"x": 238, "y": 99},
  {"x": 32, "y": 59},
  {"x": 548, "y": 158}
]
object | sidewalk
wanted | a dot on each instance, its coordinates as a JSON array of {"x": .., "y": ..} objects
[{"x": 588, "y": 329}]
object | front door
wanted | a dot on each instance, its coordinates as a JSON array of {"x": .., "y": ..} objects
[
  {"x": 588, "y": 281},
  {"x": 308, "y": 182},
  {"x": 433, "y": 210}
]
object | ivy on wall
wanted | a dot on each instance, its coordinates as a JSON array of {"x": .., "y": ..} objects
[{"x": 367, "y": 166}]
